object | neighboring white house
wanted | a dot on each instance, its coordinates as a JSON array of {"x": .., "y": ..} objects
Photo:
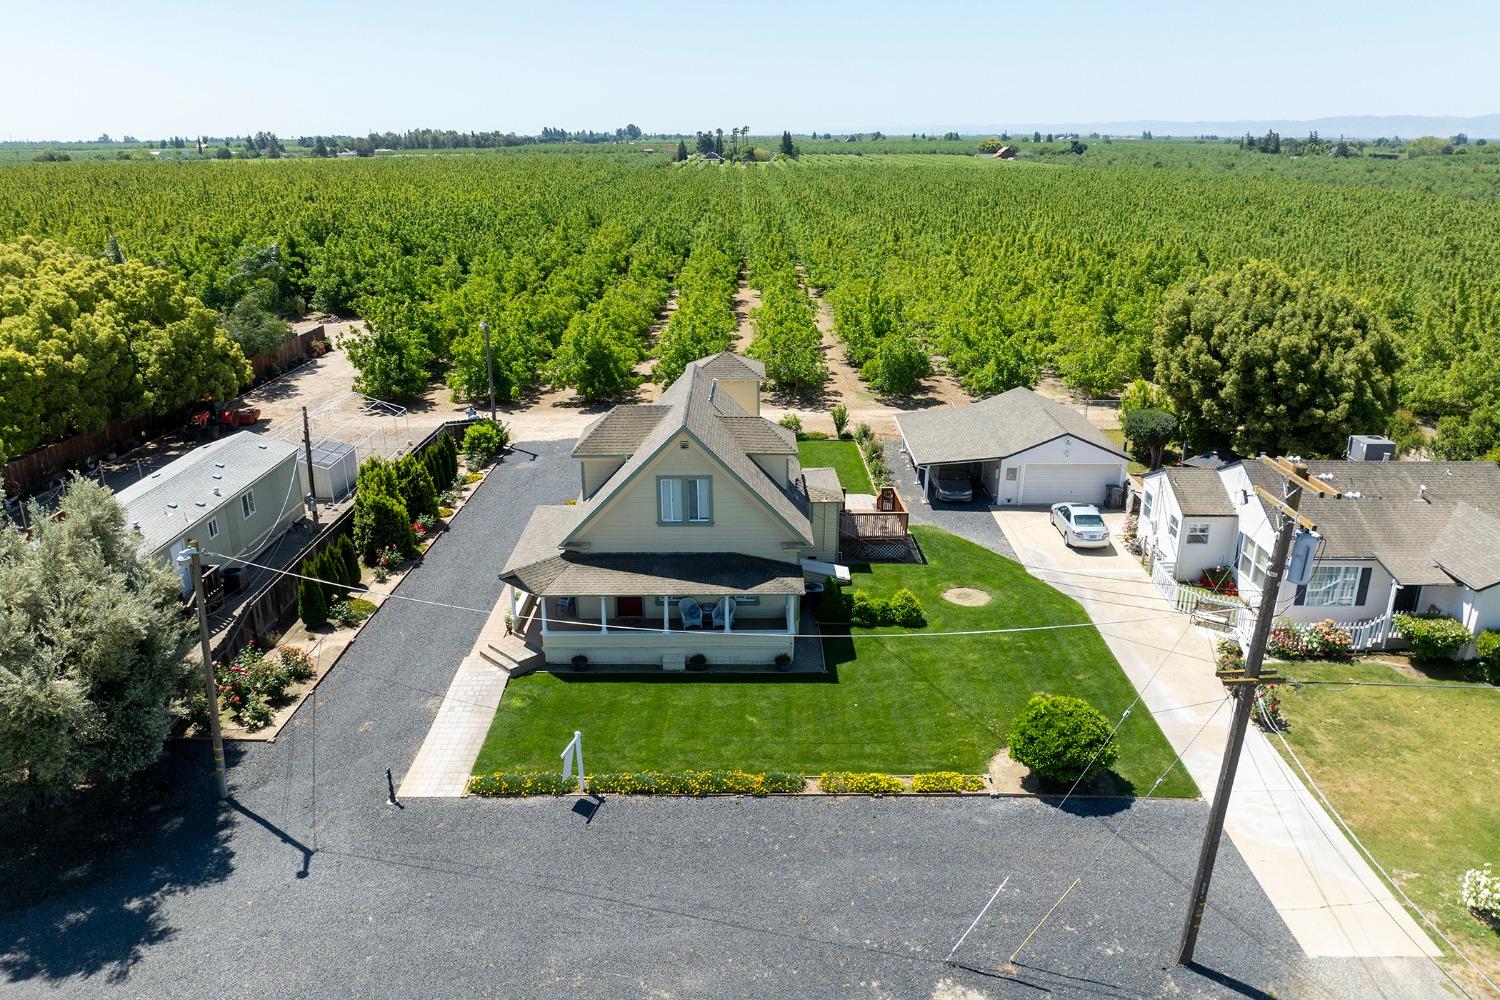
[
  {"x": 235, "y": 496},
  {"x": 1021, "y": 447},
  {"x": 1400, "y": 536},
  {"x": 689, "y": 505}
]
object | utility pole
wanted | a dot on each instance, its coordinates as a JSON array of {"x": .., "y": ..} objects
[
  {"x": 489, "y": 363},
  {"x": 312, "y": 484},
  {"x": 195, "y": 556},
  {"x": 1243, "y": 690}
]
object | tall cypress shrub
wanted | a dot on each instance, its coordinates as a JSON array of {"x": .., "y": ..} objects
[{"x": 312, "y": 603}]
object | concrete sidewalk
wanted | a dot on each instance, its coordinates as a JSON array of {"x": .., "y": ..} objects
[
  {"x": 1331, "y": 900},
  {"x": 445, "y": 762}
]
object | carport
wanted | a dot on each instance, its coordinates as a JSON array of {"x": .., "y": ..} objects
[{"x": 1020, "y": 447}]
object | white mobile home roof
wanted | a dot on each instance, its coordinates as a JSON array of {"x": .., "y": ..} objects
[{"x": 181, "y": 494}]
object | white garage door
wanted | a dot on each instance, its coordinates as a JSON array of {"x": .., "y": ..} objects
[{"x": 1049, "y": 484}]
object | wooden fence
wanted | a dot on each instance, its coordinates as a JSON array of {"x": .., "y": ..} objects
[{"x": 29, "y": 472}]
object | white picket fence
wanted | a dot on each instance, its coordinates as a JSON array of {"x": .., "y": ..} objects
[{"x": 1230, "y": 615}]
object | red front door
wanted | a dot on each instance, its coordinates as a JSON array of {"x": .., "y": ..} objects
[{"x": 628, "y": 607}]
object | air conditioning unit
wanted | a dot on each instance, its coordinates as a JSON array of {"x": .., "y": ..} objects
[{"x": 1370, "y": 448}]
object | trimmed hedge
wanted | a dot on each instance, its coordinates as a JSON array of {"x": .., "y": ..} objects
[
  {"x": 506, "y": 785},
  {"x": 860, "y": 783},
  {"x": 946, "y": 781},
  {"x": 1433, "y": 637},
  {"x": 696, "y": 783},
  {"x": 901, "y": 608},
  {"x": 1487, "y": 644}
]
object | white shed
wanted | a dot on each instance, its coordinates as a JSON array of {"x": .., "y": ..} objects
[{"x": 335, "y": 465}]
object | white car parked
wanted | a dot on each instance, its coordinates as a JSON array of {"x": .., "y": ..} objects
[{"x": 1080, "y": 525}]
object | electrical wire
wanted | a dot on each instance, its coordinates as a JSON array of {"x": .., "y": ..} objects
[{"x": 1365, "y": 851}]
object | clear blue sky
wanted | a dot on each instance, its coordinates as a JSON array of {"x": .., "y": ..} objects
[{"x": 158, "y": 67}]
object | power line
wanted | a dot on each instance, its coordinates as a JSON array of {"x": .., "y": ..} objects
[
  {"x": 796, "y": 635},
  {"x": 1354, "y": 838}
]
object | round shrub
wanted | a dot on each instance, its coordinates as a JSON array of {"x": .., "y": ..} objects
[
  {"x": 1062, "y": 739},
  {"x": 904, "y": 609},
  {"x": 484, "y": 441}
]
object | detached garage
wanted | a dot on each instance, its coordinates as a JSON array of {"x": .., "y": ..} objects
[{"x": 1019, "y": 447}]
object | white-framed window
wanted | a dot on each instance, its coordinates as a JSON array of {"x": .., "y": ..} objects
[
  {"x": 1011, "y": 473},
  {"x": 685, "y": 500},
  {"x": 1146, "y": 504},
  {"x": 1172, "y": 525},
  {"x": 1333, "y": 587},
  {"x": 1197, "y": 534},
  {"x": 247, "y": 503},
  {"x": 213, "y": 527},
  {"x": 1254, "y": 562}
]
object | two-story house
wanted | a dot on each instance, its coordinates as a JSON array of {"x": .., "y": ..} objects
[{"x": 689, "y": 535}]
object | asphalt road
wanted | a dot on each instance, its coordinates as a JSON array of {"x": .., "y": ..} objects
[{"x": 309, "y": 885}]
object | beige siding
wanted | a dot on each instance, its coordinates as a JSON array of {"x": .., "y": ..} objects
[
  {"x": 741, "y": 521},
  {"x": 718, "y": 647},
  {"x": 596, "y": 472},
  {"x": 825, "y": 531},
  {"x": 745, "y": 392},
  {"x": 775, "y": 466}
]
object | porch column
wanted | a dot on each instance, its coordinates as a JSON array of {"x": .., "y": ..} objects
[
  {"x": 1390, "y": 606},
  {"x": 515, "y": 604},
  {"x": 541, "y": 602},
  {"x": 791, "y": 603},
  {"x": 603, "y": 614},
  {"x": 926, "y": 486},
  {"x": 666, "y": 613},
  {"x": 728, "y": 614}
]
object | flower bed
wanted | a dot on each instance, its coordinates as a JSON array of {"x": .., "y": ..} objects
[
  {"x": 1324, "y": 640},
  {"x": 860, "y": 783},
  {"x": 696, "y": 783},
  {"x": 946, "y": 781},
  {"x": 1219, "y": 580},
  {"x": 252, "y": 684}
]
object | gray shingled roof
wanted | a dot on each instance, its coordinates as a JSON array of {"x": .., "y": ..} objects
[
  {"x": 620, "y": 431},
  {"x": 686, "y": 574},
  {"x": 996, "y": 427},
  {"x": 823, "y": 485},
  {"x": 758, "y": 436},
  {"x": 542, "y": 537},
  {"x": 1415, "y": 539},
  {"x": 689, "y": 410},
  {"x": 727, "y": 364},
  {"x": 1200, "y": 492},
  {"x": 177, "y": 496}
]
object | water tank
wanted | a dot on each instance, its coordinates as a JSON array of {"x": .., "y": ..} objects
[{"x": 1370, "y": 448}]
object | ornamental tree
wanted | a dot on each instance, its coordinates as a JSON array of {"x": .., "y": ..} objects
[
  {"x": 1149, "y": 432},
  {"x": 1268, "y": 362},
  {"x": 92, "y": 637},
  {"x": 1062, "y": 739}
]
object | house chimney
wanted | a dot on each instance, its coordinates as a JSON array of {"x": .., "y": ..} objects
[
  {"x": 1422, "y": 492},
  {"x": 713, "y": 387}
]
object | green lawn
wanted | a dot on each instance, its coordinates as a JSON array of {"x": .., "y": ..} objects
[
  {"x": 843, "y": 457},
  {"x": 1414, "y": 770},
  {"x": 899, "y": 705}
]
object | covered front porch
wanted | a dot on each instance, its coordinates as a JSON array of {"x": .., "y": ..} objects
[{"x": 661, "y": 609}]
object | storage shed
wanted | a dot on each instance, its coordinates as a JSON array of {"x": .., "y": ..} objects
[{"x": 335, "y": 465}]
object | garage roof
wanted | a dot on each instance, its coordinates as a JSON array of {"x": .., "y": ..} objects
[{"x": 997, "y": 427}]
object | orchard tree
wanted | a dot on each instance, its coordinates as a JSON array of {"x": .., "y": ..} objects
[
  {"x": 1268, "y": 362},
  {"x": 897, "y": 366},
  {"x": 92, "y": 637}
]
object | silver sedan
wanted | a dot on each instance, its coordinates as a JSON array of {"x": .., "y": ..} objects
[{"x": 1080, "y": 525}]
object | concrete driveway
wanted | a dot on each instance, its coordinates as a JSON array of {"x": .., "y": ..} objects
[{"x": 1331, "y": 900}]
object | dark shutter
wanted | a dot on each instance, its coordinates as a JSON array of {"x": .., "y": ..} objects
[
  {"x": 1364, "y": 587},
  {"x": 1301, "y": 595}
]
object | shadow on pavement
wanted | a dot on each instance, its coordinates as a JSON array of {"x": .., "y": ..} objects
[{"x": 93, "y": 871}]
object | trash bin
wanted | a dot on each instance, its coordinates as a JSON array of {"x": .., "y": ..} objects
[
  {"x": 234, "y": 578},
  {"x": 1114, "y": 497}
]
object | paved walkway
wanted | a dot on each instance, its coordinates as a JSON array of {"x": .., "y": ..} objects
[
  {"x": 443, "y": 766},
  {"x": 1331, "y": 900}
]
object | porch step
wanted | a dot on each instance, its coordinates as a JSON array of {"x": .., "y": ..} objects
[
  {"x": 511, "y": 655},
  {"x": 674, "y": 661}
]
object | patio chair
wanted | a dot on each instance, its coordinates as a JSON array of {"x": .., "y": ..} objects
[
  {"x": 691, "y": 612},
  {"x": 724, "y": 614}
]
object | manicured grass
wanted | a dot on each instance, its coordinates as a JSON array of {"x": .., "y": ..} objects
[
  {"x": 898, "y": 705},
  {"x": 843, "y": 456},
  {"x": 1414, "y": 770}
]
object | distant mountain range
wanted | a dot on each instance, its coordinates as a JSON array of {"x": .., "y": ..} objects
[{"x": 1349, "y": 126}]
